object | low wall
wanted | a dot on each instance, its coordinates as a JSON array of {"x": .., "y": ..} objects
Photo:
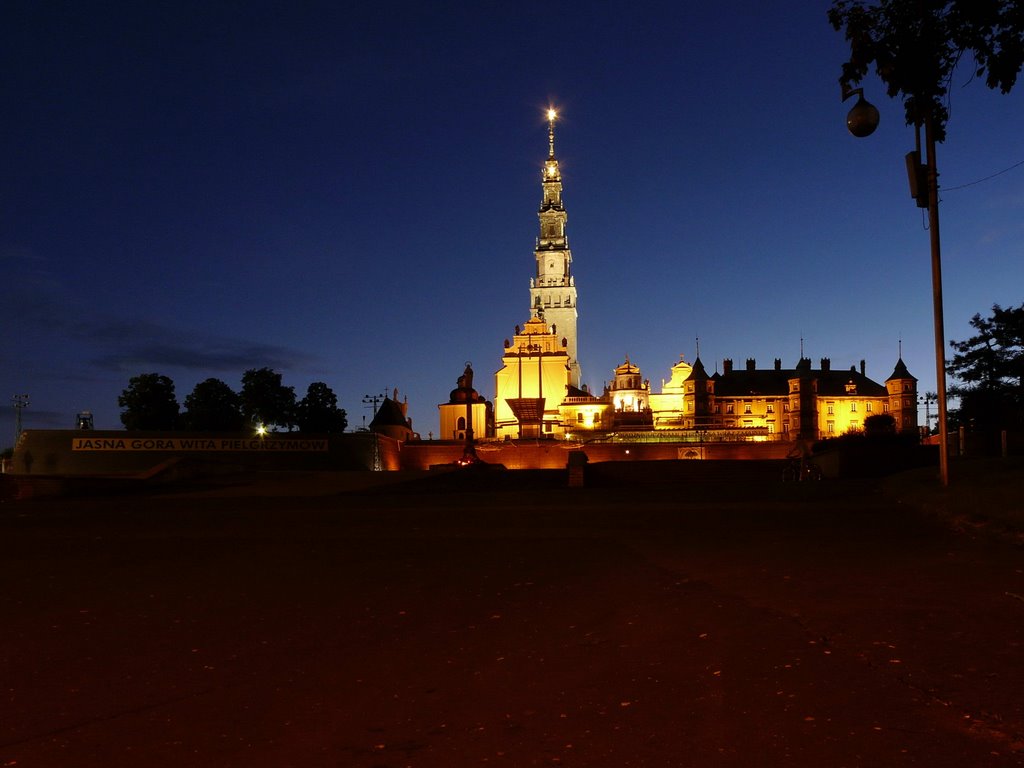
[{"x": 135, "y": 454}]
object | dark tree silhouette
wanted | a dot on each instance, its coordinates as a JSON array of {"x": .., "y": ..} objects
[
  {"x": 880, "y": 424},
  {"x": 916, "y": 45},
  {"x": 213, "y": 407},
  {"x": 990, "y": 369},
  {"x": 318, "y": 411},
  {"x": 149, "y": 403},
  {"x": 265, "y": 400}
]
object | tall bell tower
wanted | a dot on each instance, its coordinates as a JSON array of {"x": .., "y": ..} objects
[{"x": 552, "y": 289}]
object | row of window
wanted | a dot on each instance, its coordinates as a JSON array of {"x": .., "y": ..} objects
[
  {"x": 749, "y": 407},
  {"x": 830, "y": 426},
  {"x": 831, "y": 407},
  {"x": 558, "y": 301}
]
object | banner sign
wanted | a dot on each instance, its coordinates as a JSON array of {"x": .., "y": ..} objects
[{"x": 254, "y": 444}]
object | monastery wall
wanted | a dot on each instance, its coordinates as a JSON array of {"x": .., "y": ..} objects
[{"x": 554, "y": 454}]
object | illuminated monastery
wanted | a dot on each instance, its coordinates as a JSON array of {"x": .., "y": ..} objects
[{"x": 538, "y": 390}]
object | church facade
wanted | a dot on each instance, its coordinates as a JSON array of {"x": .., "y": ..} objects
[{"x": 539, "y": 394}]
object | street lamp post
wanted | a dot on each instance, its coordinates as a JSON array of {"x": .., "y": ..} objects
[{"x": 861, "y": 122}]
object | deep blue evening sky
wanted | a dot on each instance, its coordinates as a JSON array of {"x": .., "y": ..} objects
[{"x": 349, "y": 195}]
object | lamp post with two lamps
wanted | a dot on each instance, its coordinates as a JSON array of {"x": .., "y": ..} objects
[{"x": 862, "y": 120}]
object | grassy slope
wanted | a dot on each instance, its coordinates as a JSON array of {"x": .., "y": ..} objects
[{"x": 983, "y": 494}]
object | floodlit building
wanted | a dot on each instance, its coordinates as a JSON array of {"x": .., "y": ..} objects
[
  {"x": 466, "y": 408},
  {"x": 534, "y": 379},
  {"x": 539, "y": 394}
]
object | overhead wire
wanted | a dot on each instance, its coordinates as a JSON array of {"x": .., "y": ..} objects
[{"x": 972, "y": 183}]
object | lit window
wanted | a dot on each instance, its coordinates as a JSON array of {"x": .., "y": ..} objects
[
  {"x": 867, "y": 407},
  {"x": 885, "y": 407},
  {"x": 730, "y": 408},
  {"x": 830, "y": 427},
  {"x": 785, "y": 427},
  {"x": 785, "y": 406},
  {"x": 853, "y": 407},
  {"x": 579, "y": 418},
  {"x": 771, "y": 407},
  {"x": 746, "y": 408},
  {"x": 831, "y": 408}
]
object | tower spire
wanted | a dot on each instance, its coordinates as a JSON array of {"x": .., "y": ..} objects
[
  {"x": 552, "y": 289},
  {"x": 552, "y": 116}
]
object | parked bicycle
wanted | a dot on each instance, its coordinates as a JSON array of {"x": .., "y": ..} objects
[{"x": 798, "y": 470}]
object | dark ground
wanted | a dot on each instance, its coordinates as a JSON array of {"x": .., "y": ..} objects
[{"x": 438, "y": 624}]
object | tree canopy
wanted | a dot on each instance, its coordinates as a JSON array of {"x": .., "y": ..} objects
[
  {"x": 265, "y": 400},
  {"x": 149, "y": 403},
  {"x": 916, "y": 45},
  {"x": 213, "y": 407},
  {"x": 318, "y": 411},
  {"x": 990, "y": 369}
]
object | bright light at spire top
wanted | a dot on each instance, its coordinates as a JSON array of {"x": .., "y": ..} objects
[{"x": 552, "y": 114}]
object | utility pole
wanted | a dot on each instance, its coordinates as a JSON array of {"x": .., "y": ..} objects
[
  {"x": 924, "y": 188},
  {"x": 372, "y": 401},
  {"x": 20, "y": 402}
]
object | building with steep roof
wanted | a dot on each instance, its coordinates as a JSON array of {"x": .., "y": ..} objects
[{"x": 391, "y": 419}]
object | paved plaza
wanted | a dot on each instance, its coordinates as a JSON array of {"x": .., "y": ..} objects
[{"x": 433, "y": 624}]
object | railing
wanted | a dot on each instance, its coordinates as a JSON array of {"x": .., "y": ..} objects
[{"x": 739, "y": 435}]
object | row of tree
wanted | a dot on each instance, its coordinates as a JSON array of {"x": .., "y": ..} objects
[{"x": 149, "y": 403}]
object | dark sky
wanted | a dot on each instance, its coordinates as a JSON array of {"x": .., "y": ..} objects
[{"x": 349, "y": 195}]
